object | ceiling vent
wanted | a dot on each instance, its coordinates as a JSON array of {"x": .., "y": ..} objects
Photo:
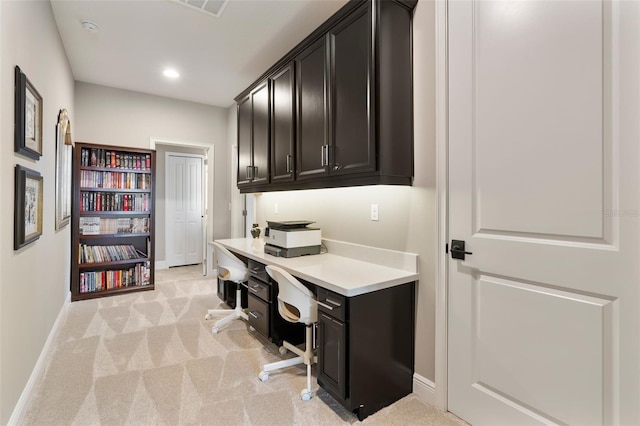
[{"x": 210, "y": 7}]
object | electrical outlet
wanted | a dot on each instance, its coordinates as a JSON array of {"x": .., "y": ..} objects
[{"x": 374, "y": 212}]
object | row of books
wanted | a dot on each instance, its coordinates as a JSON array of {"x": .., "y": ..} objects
[
  {"x": 95, "y": 225},
  {"x": 109, "y": 202},
  {"x": 114, "y": 180},
  {"x": 98, "y": 157},
  {"x": 138, "y": 275},
  {"x": 99, "y": 254}
]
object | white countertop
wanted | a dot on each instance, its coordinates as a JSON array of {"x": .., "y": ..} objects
[{"x": 343, "y": 275}]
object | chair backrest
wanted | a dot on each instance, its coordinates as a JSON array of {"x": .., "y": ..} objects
[
  {"x": 296, "y": 303},
  {"x": 230, "y": 268}
]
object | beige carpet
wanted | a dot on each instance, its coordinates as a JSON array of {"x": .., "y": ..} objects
[{"x": 150, "y": 359}]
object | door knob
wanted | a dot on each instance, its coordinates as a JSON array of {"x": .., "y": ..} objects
[{"x": 458, "y": 250}]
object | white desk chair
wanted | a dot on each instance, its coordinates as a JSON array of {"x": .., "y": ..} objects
[
  {"x": 296, "y": 303},
  {"x": 230, "y": 268}
]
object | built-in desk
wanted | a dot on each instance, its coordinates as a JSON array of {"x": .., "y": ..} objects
[{"x": 365, "y": 321}]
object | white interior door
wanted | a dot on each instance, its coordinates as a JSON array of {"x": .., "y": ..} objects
[
  {"x": 184, "y": 209},
  {"x": 543, "y": 317}
]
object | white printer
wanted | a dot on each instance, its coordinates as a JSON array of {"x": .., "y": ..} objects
[{"x": 291, "y": 238}]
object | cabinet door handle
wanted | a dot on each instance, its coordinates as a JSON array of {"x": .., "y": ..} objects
[
  {"x": 333, "y": 302},
  {"x": 324, "y": 305},
  {"x": 289, "y": 163},
  {"x": 322, "y": 156},
  {"x": 254, "y": 172}
]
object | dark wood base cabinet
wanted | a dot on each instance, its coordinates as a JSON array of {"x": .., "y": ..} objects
[
  {"x": 366, "y": 347},
  {"x": 263, "y": 308}
]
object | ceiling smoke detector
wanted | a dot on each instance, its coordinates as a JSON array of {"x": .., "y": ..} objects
[
  {"x": 90, "y": 26},
  {"x": 210, "y": 7}
]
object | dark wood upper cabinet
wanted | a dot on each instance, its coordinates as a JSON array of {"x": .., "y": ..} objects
[
  {"x": 244, "y": 141},
  {"x": 260, "y": 101},
  {"x": 352, "y": 137},
  {"x": 282, "y": 125},
  {"x": 350, "y": 119},
  {"x": 253, "y": 137},
  {"x": 311, "y": 111}
]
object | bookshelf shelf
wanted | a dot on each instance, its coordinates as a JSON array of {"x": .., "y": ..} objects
[
  {"x": 112, "y": 292},
  {"x": 115, "y": 213},
  {"x": 123, "y": 190},
  {"x": 101, "y": 265},
  {"x": 113, "y": 221},
  {"x": 120, "y": 235}
]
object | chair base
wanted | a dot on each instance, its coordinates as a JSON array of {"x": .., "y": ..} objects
[
  {"x": 304, "y": 357},
  {"x": 237, "y": 313}
]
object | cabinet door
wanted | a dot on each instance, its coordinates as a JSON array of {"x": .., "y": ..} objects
[
  {"x": 311, "y": 112},
  {"x": 260, "y": 139},
  {"x": 282, "y": 128},
  {"x": 244, "y": 141},
  {"x": 352, "y": 137},
  {"x": 332, "y": 354}
]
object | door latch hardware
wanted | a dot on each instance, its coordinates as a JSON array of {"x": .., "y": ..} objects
[{"x": 458, "y": 249}]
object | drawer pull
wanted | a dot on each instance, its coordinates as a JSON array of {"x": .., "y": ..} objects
[
  {"x": 324, "y": 305},
  {"x": 253, "y": 314},
  {"x": 253, "y": 289},
  {"x": 333, "y": 302}
]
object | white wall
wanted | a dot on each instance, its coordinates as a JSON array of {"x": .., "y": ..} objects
[
  {"x": 124, "y": 118},
  {"x": 407, "y": 214},
  {"x": 34, "y": 281}
]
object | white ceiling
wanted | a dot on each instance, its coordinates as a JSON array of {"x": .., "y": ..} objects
[{"x": 217, "y": 57}]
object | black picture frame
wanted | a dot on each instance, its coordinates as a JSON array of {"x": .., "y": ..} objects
[
  {"x": 28, "y": 117},
  {"x": 29, "y": 186}
]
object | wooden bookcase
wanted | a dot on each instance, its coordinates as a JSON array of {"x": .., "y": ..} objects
[{"x": 113, "y": 221}]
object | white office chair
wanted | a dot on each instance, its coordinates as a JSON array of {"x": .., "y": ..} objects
[
  {"x": 296, "y": 303},
  {"x": 230, "y": 268}
]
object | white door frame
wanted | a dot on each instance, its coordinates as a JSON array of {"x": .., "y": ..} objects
[
  {"x": 209, "y": 156},
  {"x": 203, "y": 207},
  {"x": 442, "y": 205}
]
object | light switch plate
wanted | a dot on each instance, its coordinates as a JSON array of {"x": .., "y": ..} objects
[{"x": 374, "y": 212}]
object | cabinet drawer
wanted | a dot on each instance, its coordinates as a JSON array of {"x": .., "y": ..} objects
[
  {"x": 260, "y": 289},
  {"x": 332, "y": 303},
  {"x": 256, "y": 269},
  {"x": 259, "y": 315}
]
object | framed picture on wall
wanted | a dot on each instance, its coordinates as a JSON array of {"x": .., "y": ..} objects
[
  {"x": 27, "y": 207},
  {"x": 64, "y": 146},
  {"x": 28, "y": 117}
]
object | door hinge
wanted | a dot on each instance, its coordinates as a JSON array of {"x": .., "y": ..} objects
[{"x": 244, "y": 212}]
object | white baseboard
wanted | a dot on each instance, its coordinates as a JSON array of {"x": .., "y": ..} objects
[
  {"x": 161, "y": 264},
  {"x": 425, "y": 389},
  {"x": 38, "y": 369}
]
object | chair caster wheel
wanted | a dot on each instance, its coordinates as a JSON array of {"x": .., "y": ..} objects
[
  {"x": 252, "y": 328},
  {"x": 214, "y": 330},
  {"x": 282, "y": 350},
  {"x": 263, "y": 376},
  {"x": 306, "y": 394}
]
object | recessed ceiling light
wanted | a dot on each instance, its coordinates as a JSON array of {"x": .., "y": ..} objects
[
  {"x": 90, "y": 26},
  {"x": 171, "y": 73}
]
